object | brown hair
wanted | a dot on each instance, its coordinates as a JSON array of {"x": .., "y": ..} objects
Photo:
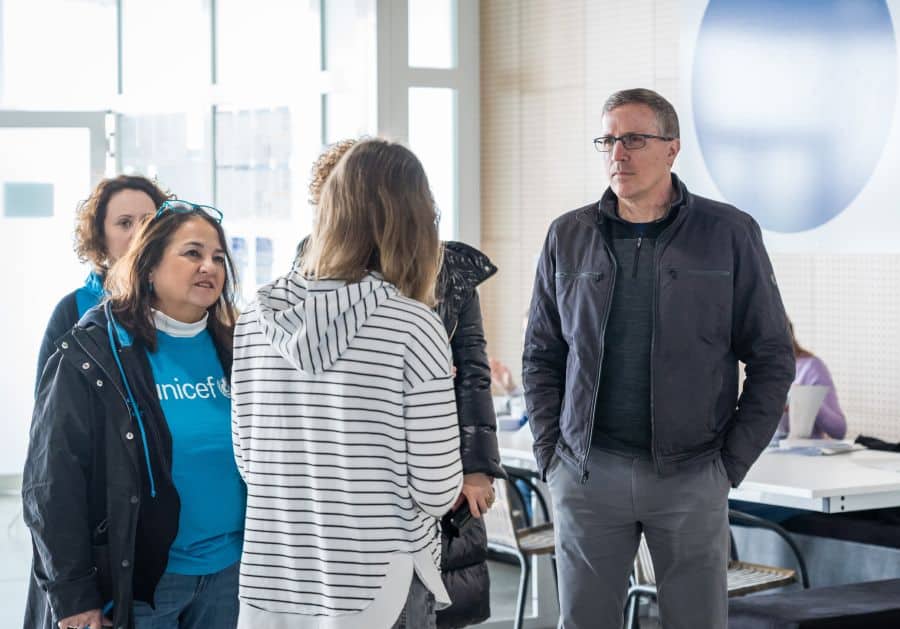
[
  {"x": 323, "y": 166},
  {"x": 666, "y": 117},
  {"x": 129, "y": 287},
  {"x": 376, "y": 213},
  {"x": 90, "y": 239},
  {"x": 799, "y": 350}
]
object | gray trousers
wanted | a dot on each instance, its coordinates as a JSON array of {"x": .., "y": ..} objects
[{"x": 598, "y": 525}]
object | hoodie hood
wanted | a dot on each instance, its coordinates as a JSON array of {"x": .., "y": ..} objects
[{"x": 312, "y": 322}]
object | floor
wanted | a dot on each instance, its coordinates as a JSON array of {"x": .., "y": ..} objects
[{"x": 15, "y": 550}]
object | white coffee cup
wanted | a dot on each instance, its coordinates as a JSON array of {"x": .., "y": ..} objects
[{"x": 804, "y": 402}]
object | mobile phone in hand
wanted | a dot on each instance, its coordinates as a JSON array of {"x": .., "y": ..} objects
[
  {"x": 455, "y": 521},
  {"x": 461, "y": 516}
]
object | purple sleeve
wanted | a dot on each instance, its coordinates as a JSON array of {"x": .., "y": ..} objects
[{"x": 830, "y": 420}]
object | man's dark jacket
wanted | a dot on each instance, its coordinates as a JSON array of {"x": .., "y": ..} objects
[
  {"x": 464, "y": 559},
  {"x": 715, "y": 303},
  {"x": 86, "y": 473}
]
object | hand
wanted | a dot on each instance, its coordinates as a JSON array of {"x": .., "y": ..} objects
[
  {"x": 479, "y": 491},
  {"x": 501, "y": 377},
  {"x": 94, "y": 619}
]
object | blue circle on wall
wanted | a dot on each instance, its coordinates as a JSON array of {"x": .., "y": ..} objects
[{"x": 793, "y": 102}]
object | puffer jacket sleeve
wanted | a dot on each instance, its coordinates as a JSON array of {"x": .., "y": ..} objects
[
  {"x": 55, "y": 485},
  {"x": 477, "y": 422}
]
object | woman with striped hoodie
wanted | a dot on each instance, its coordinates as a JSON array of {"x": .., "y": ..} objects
[{"x": 344, "y": 415}]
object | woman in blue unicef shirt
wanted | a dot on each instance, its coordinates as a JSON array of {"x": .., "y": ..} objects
[
  {"x": 130, "y": 488},
  {"x": 104, "y": 225}
]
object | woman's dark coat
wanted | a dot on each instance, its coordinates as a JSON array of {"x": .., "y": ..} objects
[
  {"x": 86, "y": 474},
  {"x": 464, "y": 558}
]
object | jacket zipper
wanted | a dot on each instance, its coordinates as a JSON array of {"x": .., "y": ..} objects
[
  {"x": 453, "y": 331},
  {"x": 637, "y": 257},
  {"x": 708, "y": 272},
  {"x": 612, "y": 283},
  {"x": 586, "y": 274}
]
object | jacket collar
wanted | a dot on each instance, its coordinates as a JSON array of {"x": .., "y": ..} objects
[
  {"x": 467, "y": 261},
  {"x": 596, "y": 213}
]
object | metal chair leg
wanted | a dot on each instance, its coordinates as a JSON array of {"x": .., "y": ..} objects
[
  {"x": 631, "y": 610},
  {"x": 523, "y": 590},
  {"x": 555, "y": 575}
]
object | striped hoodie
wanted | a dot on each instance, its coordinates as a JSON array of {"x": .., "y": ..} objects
[{"x": 345, "y": 431}]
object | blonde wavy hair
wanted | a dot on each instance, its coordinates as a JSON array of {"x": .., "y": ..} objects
[{"x": 376, "y": 213}]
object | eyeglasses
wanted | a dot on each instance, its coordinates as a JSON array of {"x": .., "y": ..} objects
[
  {"x": 631, "y": 141},
  {"x": 177, "y": 206}
]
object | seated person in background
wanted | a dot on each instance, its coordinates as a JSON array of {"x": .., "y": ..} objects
[
  {"x": 502, "y": 380},
  {"x": 830, "y": 421}
]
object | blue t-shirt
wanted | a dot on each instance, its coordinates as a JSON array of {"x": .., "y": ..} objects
[{"x": 195, "y": 398}]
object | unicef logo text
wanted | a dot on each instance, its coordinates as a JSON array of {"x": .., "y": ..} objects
[{"x": 211, "y": 388}]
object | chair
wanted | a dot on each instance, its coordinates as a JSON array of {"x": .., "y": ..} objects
[
  {"x": 523, "y": 543},
  {"x": 868, "y": 605},
  {"x": 743, "y": 577}
]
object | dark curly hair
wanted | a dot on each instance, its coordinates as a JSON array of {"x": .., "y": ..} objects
[{"x": 90, "y": 240}]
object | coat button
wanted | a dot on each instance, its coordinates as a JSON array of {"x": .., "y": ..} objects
[
  {"x": 125, "y": 563},
  {"x": 134, "y": 500},
  {"x": 85, "y": 366},
  {"x": 99, "y": 383},
  {"x": 129, "y": 436},
  {"x": 64, "y": 345}
]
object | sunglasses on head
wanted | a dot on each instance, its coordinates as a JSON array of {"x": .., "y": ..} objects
[{"x": 178, "y": 206}]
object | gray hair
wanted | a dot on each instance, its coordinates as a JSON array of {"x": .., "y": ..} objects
[{"x": 666, "y": 118}]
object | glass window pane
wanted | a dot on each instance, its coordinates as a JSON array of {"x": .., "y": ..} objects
[
  {"x": 68, "y": 61},
  {"x": 253, "y": 163},
  {"x": 165, "y": 46},
  {"x": 41, "y": 266},
  {"x": 263, "y": 156},
  {"x": 349, "y": 55},
  {"x": 432, "y": 33},
  {"x": 432, "y": 137},
  {"x": 265, "y": 41},
  {"x": 174, "y": 148}
]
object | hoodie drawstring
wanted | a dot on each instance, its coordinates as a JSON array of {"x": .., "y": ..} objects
[{"x": 130, "y": 402}]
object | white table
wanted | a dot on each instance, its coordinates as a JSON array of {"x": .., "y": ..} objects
[
  {"x": 853, "y": 481},
  {"x": 868, "y": 479}
]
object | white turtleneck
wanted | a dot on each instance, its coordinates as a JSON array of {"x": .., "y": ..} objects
[{"x": 176, "y": 328}]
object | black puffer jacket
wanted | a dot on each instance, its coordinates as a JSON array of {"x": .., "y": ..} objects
[{"x": 464, "y": 558}]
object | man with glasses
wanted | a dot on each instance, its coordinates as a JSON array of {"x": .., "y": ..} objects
[{"x": 643, "y": 305}]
